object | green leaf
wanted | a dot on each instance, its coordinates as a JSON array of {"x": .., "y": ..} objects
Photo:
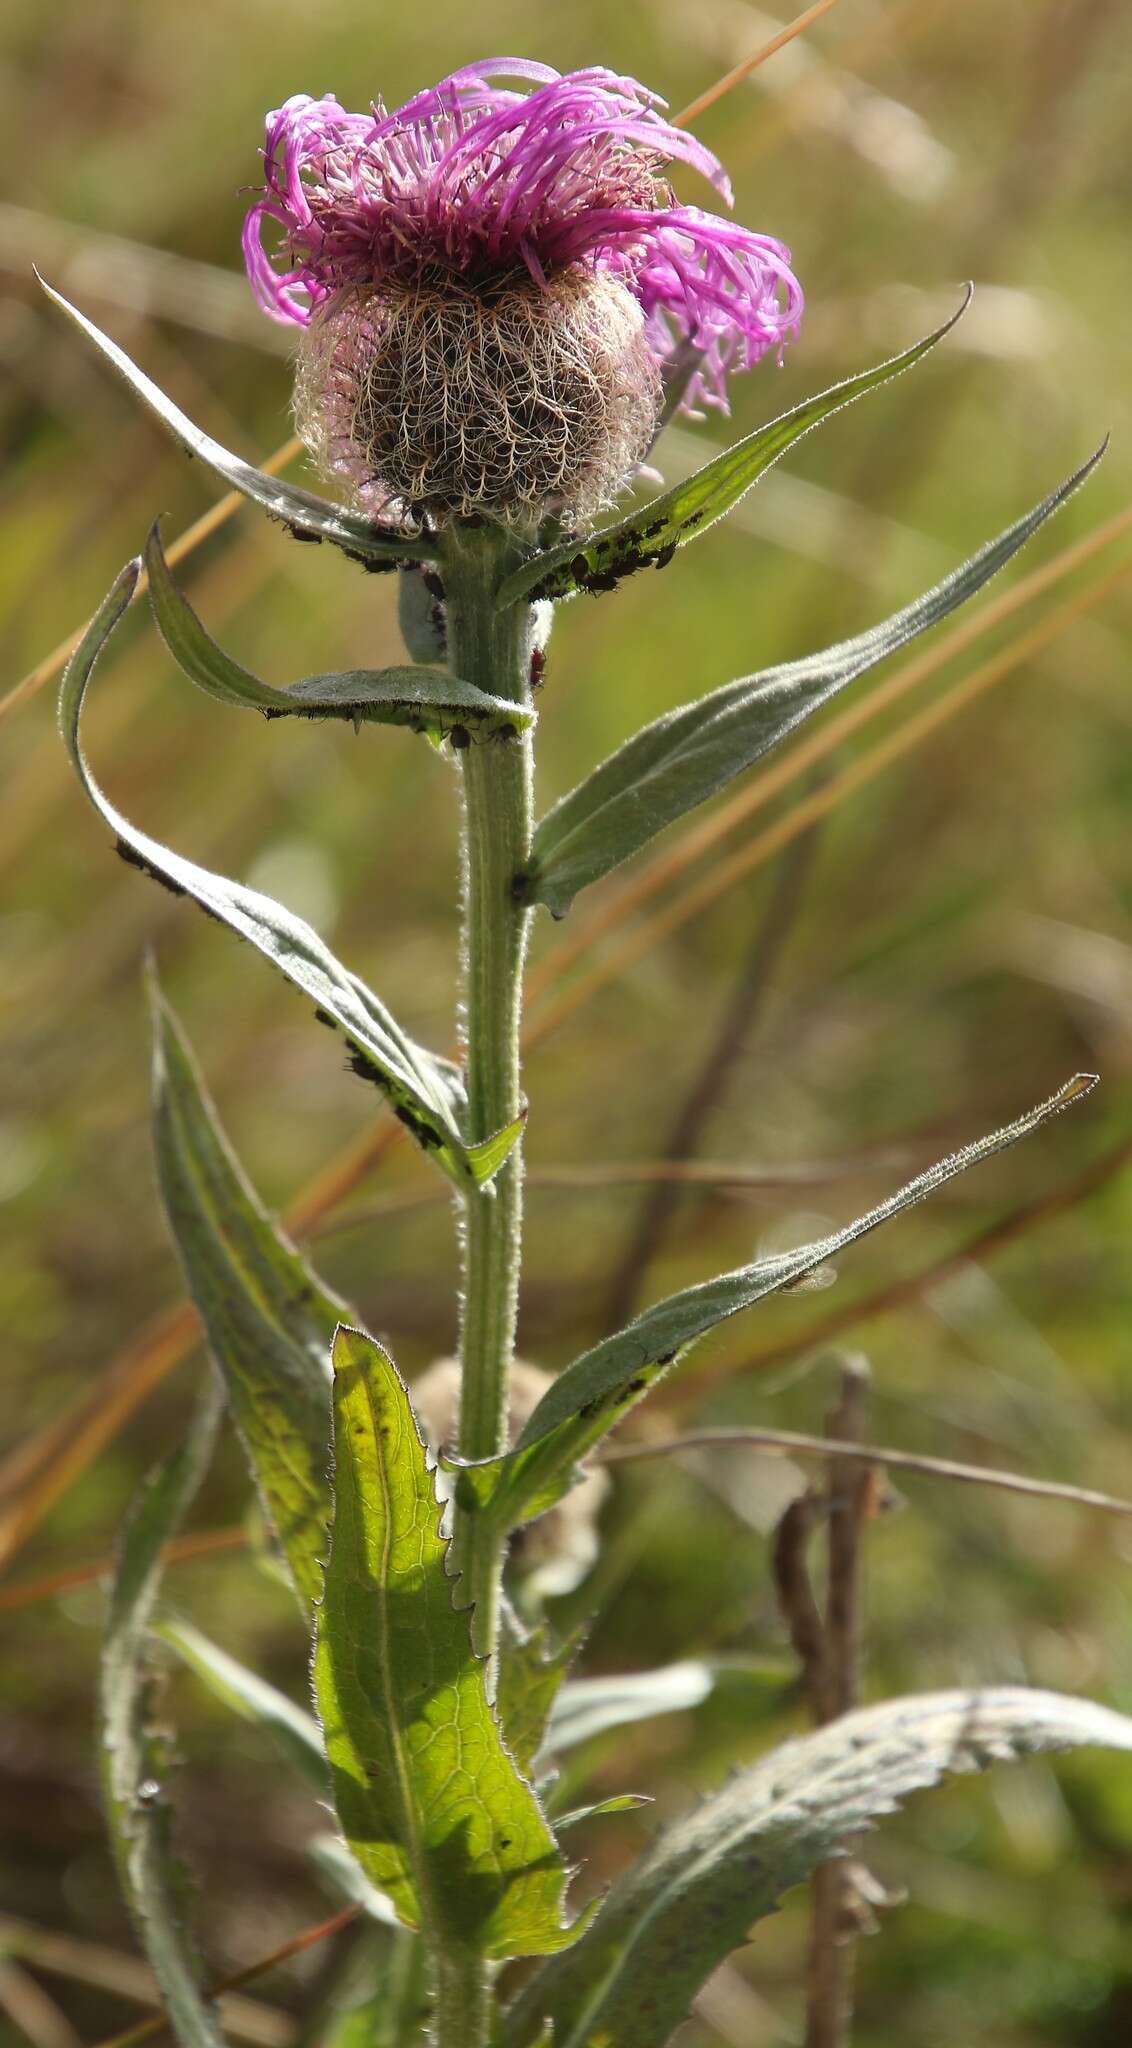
[
  {"x": 598, "y": 1390},
  {"x": 425, "y": 1093},
  {"x": 591, "y": 1706},
  {"x": 347, "y": 1880},
  {"x": 425, "y": 699},
  {"x": 652, "y": 534},
  {"x": 132, "y": 1748},
  {"x": 690, "y": 754},
  {"x": 296, "y": 1733},
  {"x": 686, "y": 1905},
  {"x": 268, "y": 1319},
  {"x": 309, "y": 516},
  {"x": 619, "y": 1802},
  {"x": 531, "y": 1670},
  {"x": 429, "y": 1800}
]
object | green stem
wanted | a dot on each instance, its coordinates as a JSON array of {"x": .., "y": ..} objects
[
  {"x": 492, "y": 649},
  {"x": 463, "y": 2010}
]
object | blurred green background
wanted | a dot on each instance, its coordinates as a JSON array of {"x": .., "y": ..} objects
[{"x": 952, "y": 942}]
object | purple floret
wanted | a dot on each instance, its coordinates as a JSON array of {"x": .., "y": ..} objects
[{"x": 476, "y": 180}]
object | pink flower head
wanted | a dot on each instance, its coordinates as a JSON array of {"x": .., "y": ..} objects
[{"x": 473, "y": 179}]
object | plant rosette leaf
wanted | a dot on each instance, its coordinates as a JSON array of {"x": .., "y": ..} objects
[
  {"x": 424, "y": 1092},
  {"x": 688, "y": 1903},
  {"x": 650, "y": 537},
  {"x": 591, "y": 1396},
  {"x": 308, "y": 516},
  {"x": 427, "y": 700},
  {"x": 689, "y": 755},
  {"x": 133, "y": 1747},
  {"x": 433, "y": 1806}
]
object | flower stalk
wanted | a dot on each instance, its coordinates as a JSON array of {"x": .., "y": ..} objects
[{"x": 490, "y": 647}]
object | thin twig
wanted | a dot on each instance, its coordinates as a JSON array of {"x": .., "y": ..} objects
[
  {"x": 741, "y": 71},
  {"x": 719, "y": 1174},
  {"x": 790, "y": 1441},
  {"x": 835, "y": 1898},
  {"x": 797, "y": 1601}
]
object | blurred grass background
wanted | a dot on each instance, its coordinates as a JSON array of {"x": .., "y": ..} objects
[{"x": 950, "y": 942}]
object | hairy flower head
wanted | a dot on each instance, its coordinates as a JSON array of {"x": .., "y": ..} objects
[{"x": 493, "y": 281}]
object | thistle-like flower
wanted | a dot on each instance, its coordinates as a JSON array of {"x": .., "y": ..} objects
[{"x": 492, "y": 282}]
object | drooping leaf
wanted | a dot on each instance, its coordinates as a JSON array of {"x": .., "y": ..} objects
[
  {"x": 296, "y": 1732},
  {"x": 424, "y": 699},
  {"x": 425, "y": 1092},
  {"x": 133, "y": 1748},
  {"x": 690, "y": 754},
  {"x": 268, "y": 1319},
  {"x": 432, "y": 1805},
  {"x": 685, "y": 1906},
  {"x": 598, "y": 1390},
  {"x": 652, "y": 534},
  {"x": 531, "y": 1670},
  {"x": 310, "y": 516}
]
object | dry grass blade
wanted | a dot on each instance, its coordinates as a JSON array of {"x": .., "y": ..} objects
[
  {"x": 123, "y": 1976},
  {"x": 699, "y": 838},
  {"x": 150, "y": 2030},
  {"x": 209, "y": 523},
  {"x": 723, "y": 877},
  {"x": 741, "y": 71},
  {"x": 790, "y": 1442},
  {"x": 186, "y": 1550}
]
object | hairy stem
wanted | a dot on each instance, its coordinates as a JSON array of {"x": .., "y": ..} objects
[
  {"x": 462, "y": 2013},
  {"x": 492, "y": 649}
]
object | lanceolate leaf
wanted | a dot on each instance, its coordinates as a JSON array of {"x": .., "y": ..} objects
[
  {"x": 652, "y": 534},
  {"x": 133, "y": 1749},
  {"x": 429, "y": 1800},
  {"x": 425, "y": 699},
  {"x": 618, "y": 1802},
  {"x": 312, "y": 517},
  {"x": 683, "y": 1908},
  {"x": 423, "y": 1091},
  {"x": 597, "y": 1391},
  {"x": 685, "y": 757},
  {"x": 269, "y": 1321}
]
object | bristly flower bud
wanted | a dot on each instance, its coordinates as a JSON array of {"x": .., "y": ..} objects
[{"x": 492, "y": 283}]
